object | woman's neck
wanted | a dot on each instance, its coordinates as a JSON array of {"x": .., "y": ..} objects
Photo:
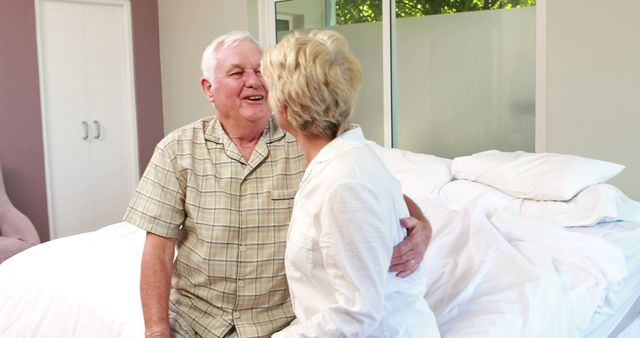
[{"x": 311, "y": 145}]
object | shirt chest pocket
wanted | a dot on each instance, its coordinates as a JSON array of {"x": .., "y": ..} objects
[
  {"x": 299, "y": 255},
  {"x": 283, "y": 195},
  {"x": 281, "y": 205}
]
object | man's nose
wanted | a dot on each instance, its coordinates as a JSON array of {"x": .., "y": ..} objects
[{"x": 253, "y": 80}]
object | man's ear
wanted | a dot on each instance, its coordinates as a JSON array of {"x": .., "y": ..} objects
[
  {"x": 207, "y": 87},
  {"x": 285, "y": 111}
]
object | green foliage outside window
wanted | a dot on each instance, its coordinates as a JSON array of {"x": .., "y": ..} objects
[{"x": 356, "y": 11}]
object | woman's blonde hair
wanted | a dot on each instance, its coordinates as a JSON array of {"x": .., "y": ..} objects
[{"x": 316, "y": 77}]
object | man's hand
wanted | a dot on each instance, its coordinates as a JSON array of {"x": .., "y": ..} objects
[{"x": 409, "y": 253}]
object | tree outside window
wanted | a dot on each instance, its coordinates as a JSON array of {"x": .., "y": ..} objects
[{"x": 357, "y": 11}]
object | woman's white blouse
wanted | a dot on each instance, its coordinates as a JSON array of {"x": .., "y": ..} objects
[{"x": 344, "y": 225}]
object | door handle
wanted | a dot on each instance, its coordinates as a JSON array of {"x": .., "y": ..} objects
[
  {"x": 85, "y": 127},
  {"x": 97, "y": 124}
]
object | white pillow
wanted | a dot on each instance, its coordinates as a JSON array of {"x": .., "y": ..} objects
[
  {"x": 419, "y": 174},
  {"x": 458, "y": 194},
  {"x": 539, "y": 176},
  {"x": 596, "y": 204}
]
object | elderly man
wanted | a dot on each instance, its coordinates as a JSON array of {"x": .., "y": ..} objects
[{"x": 222, "y": 189}]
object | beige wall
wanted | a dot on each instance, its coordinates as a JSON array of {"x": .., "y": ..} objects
[
  {"x": 186, "y": 28},
  {"x": 593, "y": 84}
]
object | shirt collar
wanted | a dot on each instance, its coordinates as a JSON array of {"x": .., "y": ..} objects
[
  {"x": 215, "y": 133},
  {"x": 350, "y": 139}
]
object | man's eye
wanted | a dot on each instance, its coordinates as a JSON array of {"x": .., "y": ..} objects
[{"x": 236, "y": 74}]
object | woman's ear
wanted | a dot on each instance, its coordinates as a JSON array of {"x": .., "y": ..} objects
[
  {"x": 282, "y": 116},
  {"x": 207, "y": 87}
]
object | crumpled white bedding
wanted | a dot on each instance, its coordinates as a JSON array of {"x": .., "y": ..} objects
[
  {"x": 506, "y": 276},
  {"x": 490, "y": 275},
  {"x": 620, "y": 300},
  {"x": 85, "y": 285},
  {"x": 495, "y": 267}
]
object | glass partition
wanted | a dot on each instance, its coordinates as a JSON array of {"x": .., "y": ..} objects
[
  {"x": 464, "y": 82},
  {"x": 365, "y": 41},
  {"x": 463, "y": 72}
]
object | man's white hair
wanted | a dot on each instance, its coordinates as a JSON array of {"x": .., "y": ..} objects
[{"x": 210, "y": 54}]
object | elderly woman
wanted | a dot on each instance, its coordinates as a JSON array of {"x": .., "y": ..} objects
[{"x": 345, "y": 216}]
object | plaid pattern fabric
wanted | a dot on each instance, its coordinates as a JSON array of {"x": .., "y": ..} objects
[{"x": 230, "y": 218}]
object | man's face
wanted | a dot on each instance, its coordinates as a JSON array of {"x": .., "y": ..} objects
[{"x": 239, "y": 93}]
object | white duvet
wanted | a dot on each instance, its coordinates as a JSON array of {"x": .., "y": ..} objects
[
  {"x": 489, "y": 276},
  {"x": 79, "y": 286},
  {"x": 496, "y": 273},
  {"x": 493, "y": 272}
]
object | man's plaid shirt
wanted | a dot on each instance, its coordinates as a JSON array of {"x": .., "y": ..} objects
[{"x": 230, "y": 218}]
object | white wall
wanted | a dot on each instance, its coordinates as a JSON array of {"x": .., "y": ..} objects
[
  {"x": 593, "y": 83},
  {"x": 186, "y": 28}
]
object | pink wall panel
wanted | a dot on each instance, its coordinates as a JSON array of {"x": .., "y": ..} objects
[
  {"x": 21, "y": 145},
  {"x": 146, "y": 50},
  {"x": 21, "y": 149}
]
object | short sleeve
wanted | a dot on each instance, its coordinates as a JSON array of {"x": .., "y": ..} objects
[{"x": 157, "y": 205}]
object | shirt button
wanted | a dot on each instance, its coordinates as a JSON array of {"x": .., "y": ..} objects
[
  {"x": 243, "y": 248},
  {"x": 241, "y": 283},
  {"x": 236, "y": 315}
]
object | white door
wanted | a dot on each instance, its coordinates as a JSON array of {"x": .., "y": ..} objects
[{"x": 88, "y": 112}]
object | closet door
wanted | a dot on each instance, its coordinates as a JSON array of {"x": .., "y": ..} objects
[{"x": 88, "y": 112}]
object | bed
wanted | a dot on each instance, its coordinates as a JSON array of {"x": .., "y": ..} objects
[{"x": 524, "y": 245}]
